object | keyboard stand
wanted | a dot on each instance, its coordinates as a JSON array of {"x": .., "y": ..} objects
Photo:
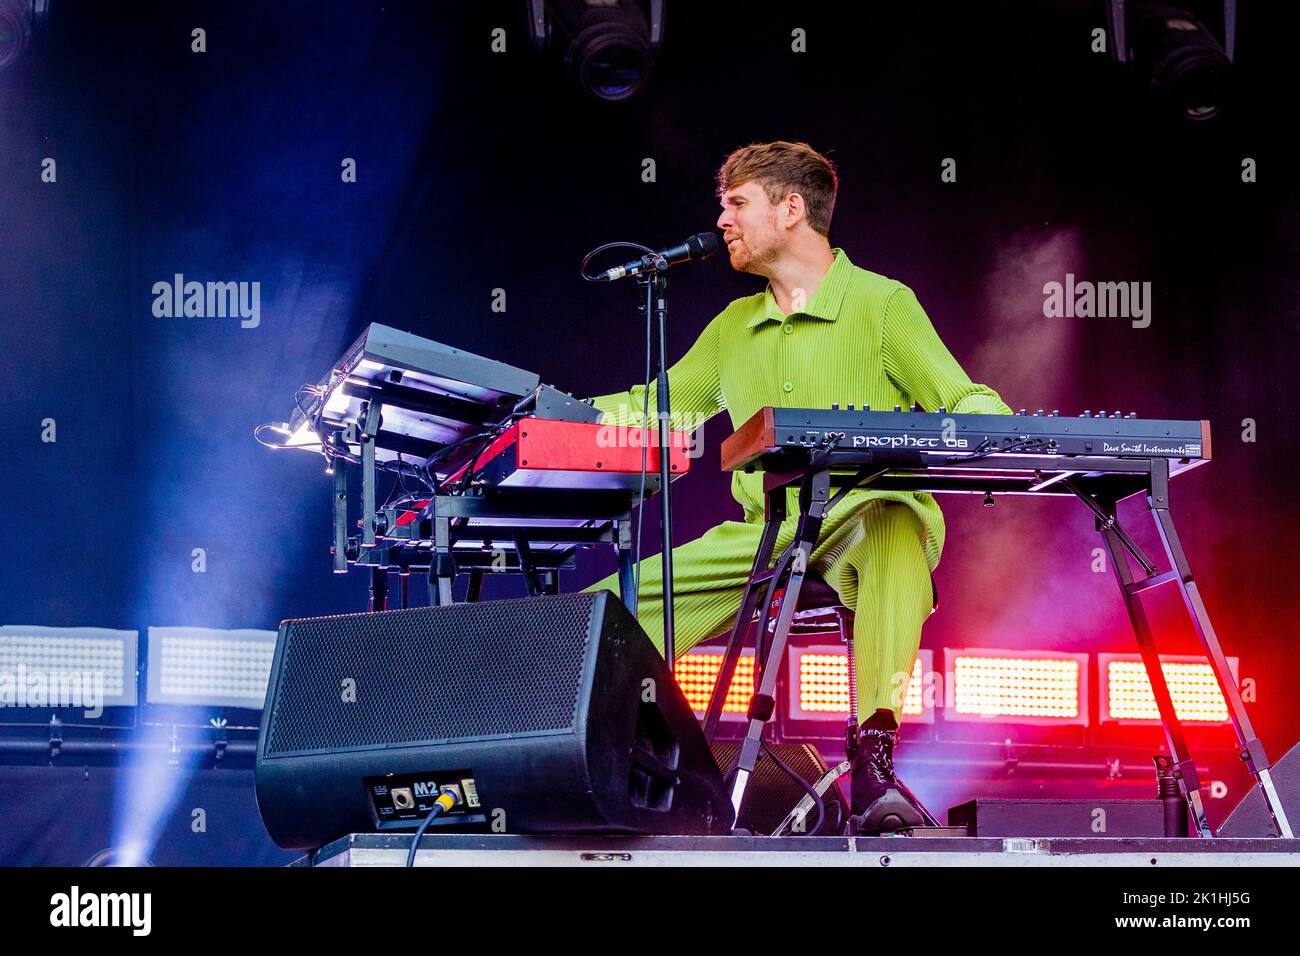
[
  {"x": 1120, "y": 545},
  {"x": 1100, "y": 483},
  {"x": 533, "y": 532}
]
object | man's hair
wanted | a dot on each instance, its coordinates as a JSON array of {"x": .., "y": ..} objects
[{"x": 783, "y": 168}]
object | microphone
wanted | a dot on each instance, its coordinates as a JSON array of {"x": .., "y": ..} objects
[{"x": 699, "y": 246}]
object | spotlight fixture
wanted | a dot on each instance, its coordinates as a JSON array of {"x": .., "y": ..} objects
[
  {"x": 1186, "y": 66},
  {"x": 609, "y": 44},
  {"x": 16, "y": 19},
  {"x": 118, "y": 856}
]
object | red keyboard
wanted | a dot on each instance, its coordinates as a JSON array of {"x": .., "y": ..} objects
[{"x": 542, "y": 453}]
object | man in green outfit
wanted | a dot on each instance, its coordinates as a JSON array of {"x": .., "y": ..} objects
[{"x": 823, "y": 331}]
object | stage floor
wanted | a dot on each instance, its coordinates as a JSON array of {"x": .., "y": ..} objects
[{"x": 377, "y": 850}]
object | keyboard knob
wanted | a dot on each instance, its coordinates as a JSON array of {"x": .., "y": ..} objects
[
  {"x": 1039, "y": 413},
  {"x": 1056, "y": 413},
  {"x": 849, "y": 407},
  {"x": 1087, "y": 413},
  {"x": 898, "y": 408},
  {"x": 943, "y": 409},
  {"x": 866, "y": 408},
  {"x": 1131, "y": 415},
  {"x": 1022, "y": 412},
  {"x": 835, "y": 406},
  {"x": 915, "y": 407}
]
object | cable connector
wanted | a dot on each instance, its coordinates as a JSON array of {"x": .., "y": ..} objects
[{"x": 448, "y": 797}]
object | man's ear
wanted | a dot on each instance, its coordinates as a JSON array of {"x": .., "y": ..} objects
[{"x": 794, "y": 209}]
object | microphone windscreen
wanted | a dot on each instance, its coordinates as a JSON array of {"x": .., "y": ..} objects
[{"x": 702, "y": 245}]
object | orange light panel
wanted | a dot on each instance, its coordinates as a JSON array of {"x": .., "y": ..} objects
[
  {"x": 824, "y": 685},
  {"x": 1192, "y": 686},
  {"x": 697, "y": 672},
  {"x": 1016, "y": 687}
]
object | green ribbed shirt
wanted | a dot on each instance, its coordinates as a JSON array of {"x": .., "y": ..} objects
[{"x": 861, "y": 338}]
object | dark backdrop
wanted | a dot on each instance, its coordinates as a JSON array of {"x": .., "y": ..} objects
[{"x": 480, "y": 171}]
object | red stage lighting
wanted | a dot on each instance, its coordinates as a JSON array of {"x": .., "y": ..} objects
[
  {"x": 819, "y": 685},
  {"x": 1005, "y": 686},
  {"x": 697, "y": 672},
  {"x": 1126, "y": 695}
]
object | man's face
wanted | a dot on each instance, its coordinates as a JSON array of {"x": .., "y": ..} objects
[{"x": 749, "y": 228}]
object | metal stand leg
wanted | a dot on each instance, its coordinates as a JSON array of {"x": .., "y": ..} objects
[
  {"x": 370, "y": 420},
  {"x": 1117, "y": 542},
  {"x": 1252, "y": 751},
  {"x": 656, "y": 302},
  {"x": 378, "y": 589},
  {"x": 340, "y": 517},
  {"x": 846, "y": 635},
  {"x": 1184, "y": 766},
  {"x": 442, "y": 565},
  {"x": 814, "y": 493},
  {"x": 755, "y": 588},
  {"x": 534, "y": 578},
  {"x": 627, "y": 567}
]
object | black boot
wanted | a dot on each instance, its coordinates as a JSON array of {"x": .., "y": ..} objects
[{"x": 878, "y": 802}]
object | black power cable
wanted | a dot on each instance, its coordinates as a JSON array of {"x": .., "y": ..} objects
[
  {"x": 447, "y": 799},
  {"x": 808, "y": 788}
]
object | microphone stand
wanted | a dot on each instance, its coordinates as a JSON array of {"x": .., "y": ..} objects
[{"x": 655, "y": 282}]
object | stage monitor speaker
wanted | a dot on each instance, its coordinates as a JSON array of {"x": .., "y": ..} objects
[
  {"x": 1044, "y": 817},
  {"x": 551, "y": 714},
  {"x": 1250, "y": 818},
  {"x": 770, "y": 794}
]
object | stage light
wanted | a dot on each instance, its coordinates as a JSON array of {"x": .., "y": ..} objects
[
  {"x": 819, "y": 685},
  {"x": 1037, "y": 687},
  {"x": 1186, "y": 66},
  {"x": 609, "y": 44},
  {"x": 1126, "y": 690},
  {"x": 153, "y": 779},
  {"x": 209, "y": 667},
  {"x": 76, "y": 667},
  {"x": 823, "y": 680},
  {"x": 697, "y": 672},
  {"x": 15, "y": 29},
  {"x": 119, "y": 856}
]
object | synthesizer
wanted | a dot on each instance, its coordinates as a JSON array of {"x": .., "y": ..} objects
[
  {"x": 546, "y": 453},
  {"x": 493, "y": 465},
  {"x": 941, "y": 437},
  {"x": 553, "y": 455},
  {"x": 433, "y": 395}
]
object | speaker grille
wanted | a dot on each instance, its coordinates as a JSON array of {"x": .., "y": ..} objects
[
  {"x": 771, "y": 794},
  {"x": 483, "y": 669}
]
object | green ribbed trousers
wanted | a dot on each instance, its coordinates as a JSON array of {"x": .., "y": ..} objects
[{"x": 872, "y": 557}]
